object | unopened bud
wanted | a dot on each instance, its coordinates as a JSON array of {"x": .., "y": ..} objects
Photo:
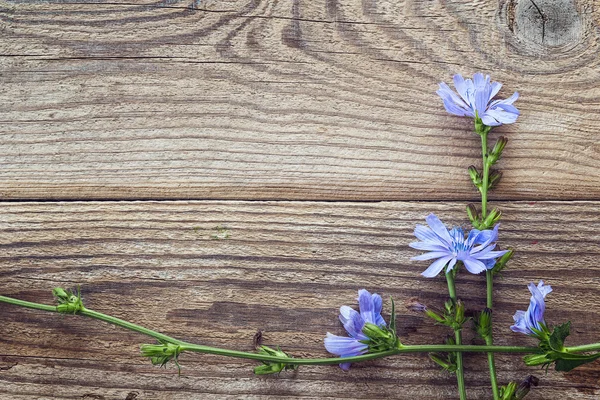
[
  {"x": 502, "y": 261},
  {"x": 271, "y": 367},
  {"x": 483, "y": 323},
  {"x": 525, "y": 386},
  {"x": 496, "y": 152},
  {"x": 161, "y": 354},
  {"x": 443, "y": 362},
  {"x": 414, "y": 305},
  {"x": 491, "y": 219},
  {"x": 475, "y": 176},
  {"x": 494, "y": 178},
  {"x": 508, "y": 392},
  {"x": 473, "y": 215},
  {"x": 69, "y": 301}
]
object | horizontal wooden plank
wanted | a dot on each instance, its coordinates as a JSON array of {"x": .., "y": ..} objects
[
  {"x": 215, "y": 272},
  {"x": 290, "y": 100}
]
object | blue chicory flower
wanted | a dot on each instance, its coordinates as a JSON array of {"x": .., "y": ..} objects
[
  {"x": 356, "y": 344},
  {"x": 450, "y": 246},
  {"x": 474, "y": 99},
  {"x": 533, "y": 318}
]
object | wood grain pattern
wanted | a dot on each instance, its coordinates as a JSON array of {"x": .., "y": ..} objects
[
  {"x": 215, "y": 272},
  {"x": 326, "y": 100}
]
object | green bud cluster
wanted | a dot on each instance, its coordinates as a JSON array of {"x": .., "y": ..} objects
[
  {"x": 445, "y": 360},
  {"x": 270, "y": 367},
  {"x": 382, "y": 338},
  {"x": 69, "y": 301},
  {"x": 160, "y": 354},
  {"x": 452, "y": 316},
  {"x": 483, "y": 323},
  {"x": 483, "y": 223},
  {"x": 514, "y": 391}
]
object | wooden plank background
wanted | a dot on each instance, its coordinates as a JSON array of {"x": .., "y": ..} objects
[{"x": 210, "y": 168}]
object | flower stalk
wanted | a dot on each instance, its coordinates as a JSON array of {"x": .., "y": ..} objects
[
  {"x": 180, "y": 346},
  {"x": 460, "y": 371},
  {"x": 483, "y": 131}
]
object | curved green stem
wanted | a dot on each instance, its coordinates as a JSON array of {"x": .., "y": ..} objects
[
  {"x": 460, "y": 372},
  {"x": 185, "y": 346}
]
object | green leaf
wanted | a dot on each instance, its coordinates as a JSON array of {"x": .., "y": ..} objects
[
  {"x": 567, "y": 364},
  {"x": 558, "y": 336}
]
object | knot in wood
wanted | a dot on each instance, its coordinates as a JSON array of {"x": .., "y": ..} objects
[{"x": 547, "y": 23}]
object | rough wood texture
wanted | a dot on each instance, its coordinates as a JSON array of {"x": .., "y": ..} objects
[
  {"x": 215, "y": 272},
  {"x": 249, "y": 99}
]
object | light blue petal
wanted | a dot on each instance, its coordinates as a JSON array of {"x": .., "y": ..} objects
[
  {"x": 427, "y": 246},
  {"x": 432, "y": 255},
  {"x": 425, "y": 234},
  {"x": 494, "y": 89},
  {"x": 342, "y": 345},
  {"x": 439, "y": 228},
  {"x": 488, "y": 120},
  {"x": 366, "y": 306},
  {"x": 465, "y": 90},
  {"x": 474, "y": 266},
  {"x": 353, "y": 322},
  {"x": 436, "y": 267},
  {"x": 544, "y": 289}
]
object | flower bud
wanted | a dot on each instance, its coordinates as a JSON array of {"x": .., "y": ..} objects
[
  {"x": 271, "y": 367},
  {"x": 525, "y": 386},
  {"x": 494, "y": 178},
  {"x": 475, "y": 176},
  {"x": 473, "y": 215},
  {"x": 496, "y": 152},
  {"x": 501, "y": 263},
  {"x": 493, "y": 217},
  {"x": 69, "y": 302},
  {"x": 160, "y": 354},
  {"x": 483, "y": 323},
  {"x": 443, "y": 362},
  {"x": 507, "y": 392}
]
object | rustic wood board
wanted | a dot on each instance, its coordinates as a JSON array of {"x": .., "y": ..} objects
[
  {"x": 215, "y": 272},
  {"x": 298, "y": 100}
]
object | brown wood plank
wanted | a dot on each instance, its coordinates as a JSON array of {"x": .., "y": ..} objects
[
  {"x": 215, "y": 272},
  {"x": 325, "y": 100}
]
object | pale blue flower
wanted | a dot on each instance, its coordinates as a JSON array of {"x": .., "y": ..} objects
[
  {"x": 474, "y": 99},
  {"x": 476, "y": 250},
  {"x": 357, "y": 343},
  {"x": 533, "y": 318}
]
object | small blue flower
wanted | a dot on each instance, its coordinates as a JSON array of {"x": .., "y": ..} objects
[
  {"x": 357, "y": 343},
  {"x": 533, "y": 318},
  {"x": 475, "y": 100},
  {"x": 450, "y": 246}
]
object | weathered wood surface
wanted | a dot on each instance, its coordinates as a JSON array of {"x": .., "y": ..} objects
[
  {"x": 301, "y": 100},
  {"x": 283, "y": 268},
  {"x": 248, "y": 99}
]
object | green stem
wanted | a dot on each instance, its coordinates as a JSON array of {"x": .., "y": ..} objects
[
  {"x": 486, "y": 175},
  {"x": 260, "y": 357},
  {"x": 489, "y": 339},
  {"x": 583, "y": 348},
  {"x": 27, "y": 304},
  {"x": 460, "y": 373}
]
